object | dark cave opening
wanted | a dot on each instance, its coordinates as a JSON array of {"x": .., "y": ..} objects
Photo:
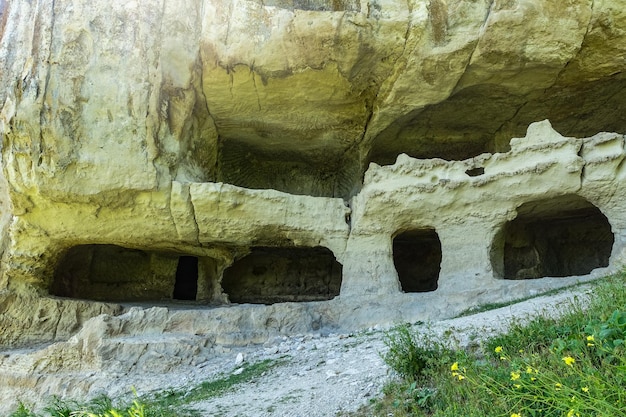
[
  {"x": 417, "y": 258},
  {"x": 113, "y": 273},
  {"x": 565, "y": 236},
  {"x": 186, "y": 284},
  {"x": 272, "y": 275}
]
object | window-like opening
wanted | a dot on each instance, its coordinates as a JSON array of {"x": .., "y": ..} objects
[
  {"x": 186, "y": 285},
  {"x": 115, "y": 273},
  {"x": 417, "y": 257},
  {"x": 475, "y": 172},
  {"x": 271, "y": 275},
  {"x": 561, "y": 237}
]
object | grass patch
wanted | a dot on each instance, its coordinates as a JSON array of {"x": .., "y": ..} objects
[
  {"x": 101, "y": 406},
  {"x": 573, "y": 365},
  {"x": 174, "y": 399},
  {"x": 169, "y": 403}
]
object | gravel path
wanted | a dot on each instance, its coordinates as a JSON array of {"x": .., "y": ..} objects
[{"x": 323, "y": 375}]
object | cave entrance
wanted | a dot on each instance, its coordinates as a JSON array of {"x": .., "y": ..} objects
[
  {"x": 560, "y": 237},
  {"x": 186, "y": 284},
  {"x": 272, "y": 275},
  {"x": 115, "y": 273},
  {"x": 417, "y": 258}
]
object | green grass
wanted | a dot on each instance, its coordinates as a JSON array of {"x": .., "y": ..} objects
[
  {"x": 174, "y": 401},
  {"x": 574, "y": 365},
  {"x": 101, "y": 406},
  {"x": 168, "y": 403}
]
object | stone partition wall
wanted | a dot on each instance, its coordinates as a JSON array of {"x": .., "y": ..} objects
[
  {"x": 473, "y": 205},
  {"x": 218, "y": 223}
]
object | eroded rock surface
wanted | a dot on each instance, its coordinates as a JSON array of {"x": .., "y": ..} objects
[
  {"x": 296, "y": 96},
  {"x": 349, "y": 161}
]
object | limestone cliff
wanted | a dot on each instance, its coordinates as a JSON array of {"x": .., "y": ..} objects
[
  {"x": 296, "y": 96},
  {"x": 262, "y": 151}
]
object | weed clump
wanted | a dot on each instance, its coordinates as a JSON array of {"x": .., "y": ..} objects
[
  {"x": 101, "y": 406},
  {"x": 567, "y": 367},
  {"x": 410, "y": 358}
]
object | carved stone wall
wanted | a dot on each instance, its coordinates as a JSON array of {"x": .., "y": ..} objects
[{"x": 147, "y": 142}]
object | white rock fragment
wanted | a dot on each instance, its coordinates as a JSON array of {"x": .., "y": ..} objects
[{"x": 331, "y": 373}]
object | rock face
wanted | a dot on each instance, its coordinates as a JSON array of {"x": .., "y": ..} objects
[{"x": 351, "y": 161}]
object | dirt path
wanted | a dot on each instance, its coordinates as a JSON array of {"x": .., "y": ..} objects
[{"x": 324, "y": 375}]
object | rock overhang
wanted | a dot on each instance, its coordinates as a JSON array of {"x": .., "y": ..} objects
[{"x": 308, "y": 93}]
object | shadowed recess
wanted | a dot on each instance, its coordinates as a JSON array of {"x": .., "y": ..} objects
[
  {"x": 316, "y": 5},
  {"x": 564, "y": 236},
  {"x": 115, "y": 273},
  {"x": 186, "y": 284},
  {"x": 319, "y": 172},
  {"x": 417, "y": 258},
  {"x": 272, "y": 275},
  {"x": 483, "y": 118}
]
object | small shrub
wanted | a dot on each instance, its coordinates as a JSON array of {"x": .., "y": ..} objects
[
  {"x": 64, "y": 408},
  {"x": 408, "y": 357},
  {"x": 136, "y": 409},
  {"x": 22, "y": 411}
]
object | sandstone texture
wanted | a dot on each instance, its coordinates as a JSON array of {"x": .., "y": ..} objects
[{"x": 222, "y": 172}]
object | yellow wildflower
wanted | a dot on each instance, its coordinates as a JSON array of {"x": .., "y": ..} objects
[
  {"x": 590, "y": 340},
  {"x": 516, "y": 415},
  {"x": 569, "y": 361},
  {"x": 458, "y": 375},
  {"x": 558, "y": 386},
  {"x": 529, "y": 370},
  {"x": 518, "y": 386},
  {"x": 585, "y": 389},
  {"x": 499, "y": 350},
  {"x": 515, "y": 376}
]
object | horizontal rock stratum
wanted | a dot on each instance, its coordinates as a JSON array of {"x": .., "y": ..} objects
[
  {"x": 264, "y": 167},
  {"x": 298, "y": 96}
]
